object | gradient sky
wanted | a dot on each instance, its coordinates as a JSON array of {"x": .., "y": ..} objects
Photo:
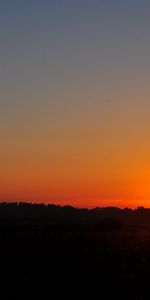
[{"x": 75, "y": 102}]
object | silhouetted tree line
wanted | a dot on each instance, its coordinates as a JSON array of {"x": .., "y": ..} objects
[
  {"x": 98, "y": 218},
  {"x": 60, "y": 252}
]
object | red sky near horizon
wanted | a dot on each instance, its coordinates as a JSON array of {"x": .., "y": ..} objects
[{"x": 75, "y": 102}]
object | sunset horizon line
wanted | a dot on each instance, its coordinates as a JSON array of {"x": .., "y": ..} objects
[{"x": 67, "y": 204}]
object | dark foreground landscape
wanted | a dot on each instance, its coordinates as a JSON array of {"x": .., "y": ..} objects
[{"x": 54, "y": 252}]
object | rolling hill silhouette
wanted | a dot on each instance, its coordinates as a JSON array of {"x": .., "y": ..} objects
[{"x": 54, "y": 252}]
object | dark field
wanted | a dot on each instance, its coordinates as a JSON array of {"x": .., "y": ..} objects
[{"x": 41, "y": 258}]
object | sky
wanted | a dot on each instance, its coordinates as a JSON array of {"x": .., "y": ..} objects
[{"x": 75, "y": 102}]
